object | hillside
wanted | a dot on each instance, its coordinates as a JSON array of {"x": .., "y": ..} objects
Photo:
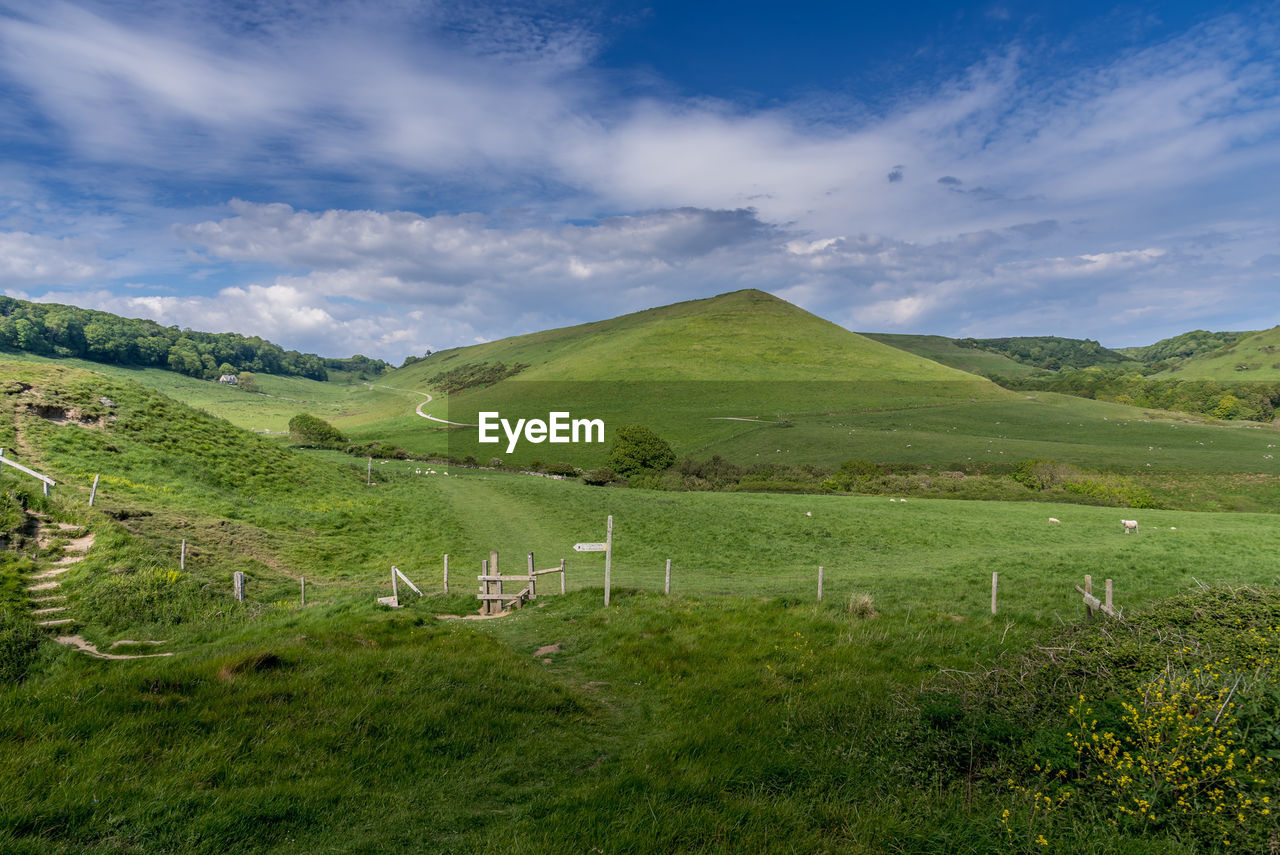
[
  {"x": 1251, "y": 358},
  {"x": 743, "y": 335},
  {"x": 698, "y": 372},
  {"x": 1182, "y": 347},
  {"x": 947, "y": 352}
]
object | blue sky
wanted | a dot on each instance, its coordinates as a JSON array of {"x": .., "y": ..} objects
[{"x": 388, "y": 177}]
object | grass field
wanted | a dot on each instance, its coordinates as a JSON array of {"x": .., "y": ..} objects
[
  {"x": 736, "y": 715},
  {"x": 945, "y": 351}
]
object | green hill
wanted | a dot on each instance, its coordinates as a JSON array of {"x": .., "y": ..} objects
[
  {"x": 1184, "y": 346},
  {"x": 698, "y": 372},
  {"x": 1251, "y": 358},
  {"x": 744, "y": 335},
  {"x": 947, "y": 352}
]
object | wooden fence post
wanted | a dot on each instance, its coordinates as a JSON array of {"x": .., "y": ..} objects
[
  {"x": 533, "y": 580},
  {"x": 1088, "y": 589},
  {"x": 395, "y": 588},
  {"x": 182, "y": 556},
  {"x": 93, "y": 494},
  {"x": 1108, "y": 597},
  {"x": 562, "y": 575},
  {"x": 494, "y": 571},
  {"x": 608, "y": 558},
  {"x": 304, "y": 590},
  {"x": 484, "y": 586},
  {"x": 666, "y": 587},
  {"x": 819, "y": 583},
  {"x": 995, "y": 580},
  {"x": 368, "y": 477},
  {"x": 446, "y": 572},
  {"x": 237, "y": 585}
]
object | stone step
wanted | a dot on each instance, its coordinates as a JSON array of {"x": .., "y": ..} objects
[
  {"x": 49, "y": 611},
  {"x": 63, "y": 622},
  {"x": 44, "y": 586},
  {"x": 52, "y": 599}
]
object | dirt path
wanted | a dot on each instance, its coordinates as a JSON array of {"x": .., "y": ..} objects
[
  {"x": 85, "y": 647},
  {"x": 47, "y": 582}
]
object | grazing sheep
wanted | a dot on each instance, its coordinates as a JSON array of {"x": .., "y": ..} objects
[
  {"x": 1130, "y": 526},
  {"x": 808, "y": 513},
  {"x": 1054, "y": 519}
]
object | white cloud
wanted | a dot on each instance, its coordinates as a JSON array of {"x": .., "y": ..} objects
[{"x": 27, "y": 259}]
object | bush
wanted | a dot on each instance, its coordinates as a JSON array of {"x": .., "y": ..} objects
[
  {"x": 307, "y": 430},
  {"x": 636, "y": 448}
]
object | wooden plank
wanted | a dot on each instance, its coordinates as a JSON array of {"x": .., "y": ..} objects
[
  {"x": 5, "y": 461},
  {"x": 550, "y": 570},
  {"x": 405, "y": 579}
]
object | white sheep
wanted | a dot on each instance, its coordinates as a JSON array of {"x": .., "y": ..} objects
[
  {"x": 1130, "y": 526},
  {"x": 1054, "y": 520}
]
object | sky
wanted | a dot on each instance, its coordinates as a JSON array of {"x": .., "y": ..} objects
[{"x": 389, "y": 177}]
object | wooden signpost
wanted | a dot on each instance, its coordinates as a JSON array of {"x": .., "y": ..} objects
[{"x": 607, "y": 549}]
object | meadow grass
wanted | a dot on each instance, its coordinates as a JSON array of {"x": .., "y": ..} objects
[{"x": 737, "y": 715}]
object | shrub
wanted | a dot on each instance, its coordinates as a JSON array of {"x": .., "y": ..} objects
[
  {"x": 636, "y": 447},
  {"x": 307, "y": 430},
  {"x": 601, "y": 476}
]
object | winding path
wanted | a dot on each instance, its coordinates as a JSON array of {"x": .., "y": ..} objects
[{"x": 423, "y": 404}]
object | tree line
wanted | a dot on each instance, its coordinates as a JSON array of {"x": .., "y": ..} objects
[{"x": 51, "y": 329}]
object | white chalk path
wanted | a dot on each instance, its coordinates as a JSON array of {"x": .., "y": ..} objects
[{"x": 423, "y": 404}]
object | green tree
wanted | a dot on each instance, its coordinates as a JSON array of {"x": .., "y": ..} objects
[{"x": 636, "y": 448}]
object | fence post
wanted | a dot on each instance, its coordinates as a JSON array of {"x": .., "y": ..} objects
[
  {"x": 368, "y": 477},
  {"x": 562, "y": 575},
  {"x": 1088, "y": 589},
  {"x": 304, "y": 590},
  {"x": 182, "y": 556},
  {"x": 94, "y": 492},
  {"x": 484, "y": 586},
  {"x": 446, "y": 572},
  {"x": 1108, "y": 596},
  {"x": 533, "y": 590},
  {"x": 666, "y": 588},
  {"x": 237, "y": 584},
  {"x": 995, "y": 580},
  {"x": 608, "y": 558},
  {"x": 493, "y": 570},
  {"x": 820, "y": 583},
  {"x": 395, "y": 588}
]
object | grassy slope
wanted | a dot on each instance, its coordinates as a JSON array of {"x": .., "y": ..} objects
[
  {"x": 945, "y": 351},
  {"x": 345, "y": 726},
  {"x": 1254, "y": 358},
  {"x": 278, "y": 398},
  {"x": 745, "y": 354}
]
